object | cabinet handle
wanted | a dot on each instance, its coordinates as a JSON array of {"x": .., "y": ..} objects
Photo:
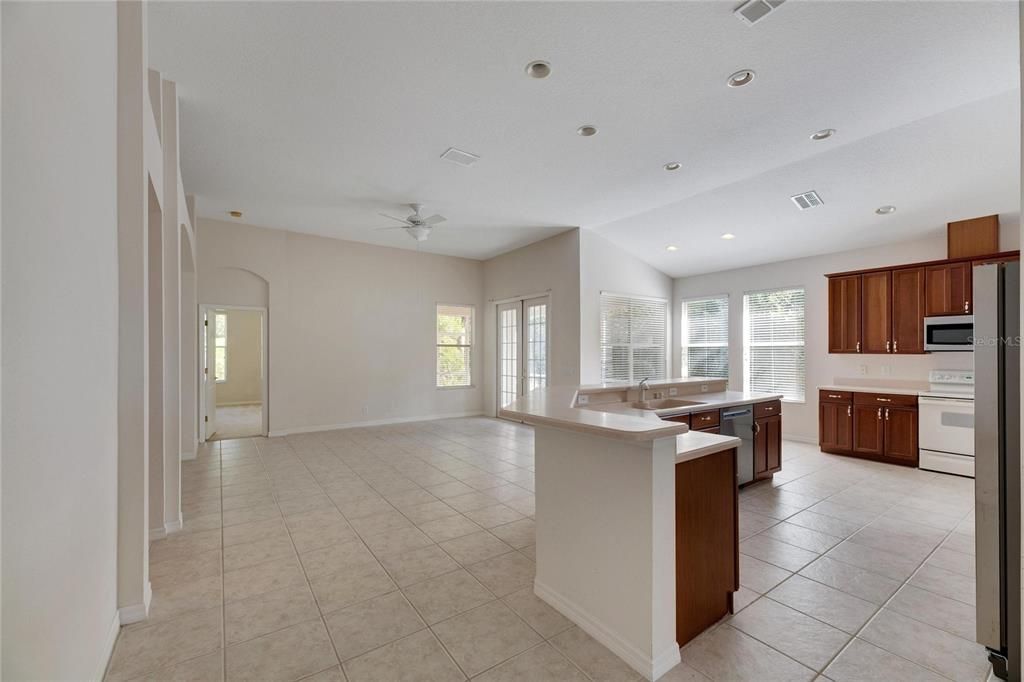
[
  {"x": 879, "y": 412},
  {"x": 888, "y": 346},
  {"x": 884, "y": 400},
  {"x": 858, "y": 346},
  {"x": 849, "y": 411},
  {"x": 833, "y": 395},
  {"x": 757, "y": 428},
  {"x": 887, "y": 414},
  {"x": 967, "y": 306},
  {"x": 894, "y": 347}
]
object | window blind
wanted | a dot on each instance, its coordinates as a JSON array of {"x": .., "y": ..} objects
[
  {"x": 454, "y": 345},
  {"x": 705, "y": 337},
  {"x": 633, "y": 338},
  {"x": 773, "y": 348}
]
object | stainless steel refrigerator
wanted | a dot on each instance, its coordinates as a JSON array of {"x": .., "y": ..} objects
[{"x": 997, "y": 487}]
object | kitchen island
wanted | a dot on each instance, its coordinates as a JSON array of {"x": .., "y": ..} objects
[{"x": 637, "y": 521}]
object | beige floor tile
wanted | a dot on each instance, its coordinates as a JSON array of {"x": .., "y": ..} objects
[
  {"x": 841, "y": 610},
  {"x": 592, "y": 657},
  {"x": 431, "y": 511},
  {"x": 768, "y": 507},
  {"x": 851, "y": 580},
  {"x": 247, "y": 500},
  {"x": 208, "y": 668},
  {"x": 449, "y": 528},
  {"x": 862, "y": 661},
  {"x": 474, "y": 548},
  {"x": 944, "y": 613},
  {"x": 957, "y": 562},
  {"x": 416, "y": 658},
  {"x": 419, "y": 564},
  {"x": 309, "y": 539},
  {"x": 752, "y": 523},
  {"x": 469, "y": 501},
  {"x": 361, "y": 507},
  {"x": 795, "y": 634},
  {"x": 960, "y": 542},
  {"x": 725, "y": 653},
  {"x": 343, "y": 557},
  {"x": 504, "y": 573},
  {"x": 250, "y": 514},
  {"x": 266, "y": 577},
  {"x": 854, "y": 515},
  {"x": 804, "y": 538},
  {"x": 447, "y": 595},
  {"x": 825, "y": 524},
  {"x": 542, "y": 663},
  {"x": 330, "y": 675},
  {"x": 290, "y": 654},
  {"x": 451, "y": 489},
  {"x": 186, "y": 569},
  {"x": 890, "y": 565},
  {"x": 369, "y": 624},
  {"x": 537, "y": 613},
  {"x": 410, "y": 498},
  {"x": 397, "y": 541},
  {"x": 485, "y": 636},
  {"x": 932, "y": 648},
  {"x": 256, "y": 530},
  {"x": 524, "y": 505},
  {"x": 268, "y": 612},
  {"x": 301, "y": 505},
  {"x": 519, "y": 534},
  {"x": 760, "y": 576},
  {"x": 380, "y": 523},
  {"x": 946, "y": 583},
  {"x": 780, "y": 554},
  {"x": 181, "y": 597},
  {"x": 338, "y": 590},
  {"x": 252, "y": 553},
  {"x": 683, "y": 673},
  {"x": 184, "y": 545},
  {"x": 497, "y": 515},
  {"x": 152, "y": 647}
]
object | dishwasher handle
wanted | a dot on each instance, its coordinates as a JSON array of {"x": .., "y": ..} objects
[{"x": 736, "y": 413}]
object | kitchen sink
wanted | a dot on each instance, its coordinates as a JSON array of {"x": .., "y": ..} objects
[{"x": 664, "y": 403}]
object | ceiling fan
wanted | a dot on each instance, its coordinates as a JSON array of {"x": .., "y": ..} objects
[{"x": 415, "y": 225}]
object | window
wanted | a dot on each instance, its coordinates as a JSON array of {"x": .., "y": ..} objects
[
  {"x": 773, "y": 344},
  {"x": 633, "y": 338},
  {"x": 705, "y": 337},
  {"x": 454, "y": 345},
  {"x": 220, "y": 331}
]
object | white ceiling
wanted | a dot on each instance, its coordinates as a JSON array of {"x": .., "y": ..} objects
[{"x": 315, "y": 116}]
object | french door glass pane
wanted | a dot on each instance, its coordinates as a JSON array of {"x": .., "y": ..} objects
[
  {"x": 536, "y": 345},
  {"x": 508, "y": 329}
]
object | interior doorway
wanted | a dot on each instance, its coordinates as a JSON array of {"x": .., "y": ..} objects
[
  {"x": 524, "y": 329},
  {"x": 233, "y": 380}
]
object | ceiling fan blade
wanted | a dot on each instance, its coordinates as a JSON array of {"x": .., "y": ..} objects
[
  {"x": 391, "y": 217},
  {"x": 434, "y": 219}
]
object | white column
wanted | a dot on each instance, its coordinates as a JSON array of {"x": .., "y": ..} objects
[
  {"x": 171, "y": 514},
  {"x": 133, "y": 196}
]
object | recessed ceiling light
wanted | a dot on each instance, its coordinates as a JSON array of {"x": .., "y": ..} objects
[
  {"x": 728, "y": 235},
  {"x": 235, "y": 214},
  {"x": 823, "y": 134},
  {"x": 674, "y": 166},
  {"x": 586, "y": 131},
  {"x": 740, "y": 78},
  {"x": 885, "y": 210},
  {"x": 538, "y": 69},
  {"x": 671, "y": 248}
]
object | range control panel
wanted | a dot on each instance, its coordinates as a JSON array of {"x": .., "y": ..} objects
[{"x": 961, "y": 377}]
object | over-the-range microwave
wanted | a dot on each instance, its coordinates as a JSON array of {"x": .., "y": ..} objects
[{"x": 949, "y": 333}]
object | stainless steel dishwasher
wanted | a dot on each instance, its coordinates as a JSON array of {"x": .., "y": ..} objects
[{"x": 739, "y": 421}]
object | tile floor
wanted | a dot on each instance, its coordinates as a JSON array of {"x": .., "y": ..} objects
[
  {"x": 238, "y": 421},
  {"x": 406, "y": 552}
]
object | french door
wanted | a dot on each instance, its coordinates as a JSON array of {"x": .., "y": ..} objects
[{"x": 523, "y": 354}]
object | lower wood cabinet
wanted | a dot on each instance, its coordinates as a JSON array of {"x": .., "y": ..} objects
[
  {"x": 871, "y": 425},
  {"x": 767, "y": 446}
]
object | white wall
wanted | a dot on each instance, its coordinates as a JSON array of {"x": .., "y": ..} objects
[
  {"x": 550, "y": 266},
  {"x": 352, "y": 326},
  {"x": 60, "y": 330},
  {"x": 243, "y": 385},
  {"x": 801, "y": 419},
  {"x": 606, "y": 267}
]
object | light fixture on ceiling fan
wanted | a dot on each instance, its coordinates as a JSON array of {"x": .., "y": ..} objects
[{"x": 415, "y": 225}]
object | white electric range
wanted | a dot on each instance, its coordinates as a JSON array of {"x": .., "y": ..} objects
[{"x": 946, "y": 422}]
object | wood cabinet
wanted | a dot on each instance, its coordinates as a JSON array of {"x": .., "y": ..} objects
[
  {"x": 844, "y": 314},
  {"x": 948, "y": 289},
  {"x": 767, "y": 446},
  {"x": 707, "y": 566},
  {"x": 876, "y": 312},
  {"x": 879, "y": 426},
  {"x": 908, "y": 310}
]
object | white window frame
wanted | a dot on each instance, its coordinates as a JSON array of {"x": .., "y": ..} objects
[
  {"x": 217, "y": 344},
  {"x": 470, "y": 332},
  {"x": 747, "y": 345},
  {"x": 631, "y": 346},
  {"x": 684, "y": 336}
]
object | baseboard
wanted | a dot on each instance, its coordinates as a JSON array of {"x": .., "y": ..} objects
[
  {"x": 244, "y": 403},
  {"x": 374, "y": 422},
  {"x": 108, "y": 647},
  {"x": 174, "y": 526},
  {"x": 157, "y": 533},
  {"x": 650, "y": 668},
  {"x": 186, "y": 456},
  {"x": 136, "y": 613},
  {"x": 800, "y": 439}
]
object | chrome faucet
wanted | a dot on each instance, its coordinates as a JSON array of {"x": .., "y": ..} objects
[{"x": 643, "y": 388}]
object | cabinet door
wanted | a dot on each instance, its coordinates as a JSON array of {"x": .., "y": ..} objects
[
  {"x": 948, "y": 289},
  {"x": 868, "y": 430},
  {"x": 773, "y": 429},
  {"x": 901, "y": 434},
  {"x": 876, "y": 312},
  {"x": 844, "y": 314},
  {"x": 908, "y": 310},
  {"x": 835, "y": 427},
  {"x": 760, "y": 449}
]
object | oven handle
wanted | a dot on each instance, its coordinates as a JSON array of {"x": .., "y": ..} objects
[{"x": 945, "y": 401}]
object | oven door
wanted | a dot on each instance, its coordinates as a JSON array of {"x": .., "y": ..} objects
[
  {"x": 946, "y": 425},
  {"x": 949, "y": 333}
]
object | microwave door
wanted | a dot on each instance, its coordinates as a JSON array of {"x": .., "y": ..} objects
[{"x": 949, "y": 333}]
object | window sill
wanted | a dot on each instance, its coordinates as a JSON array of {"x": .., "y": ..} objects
[{"x": 454, "y": 388}]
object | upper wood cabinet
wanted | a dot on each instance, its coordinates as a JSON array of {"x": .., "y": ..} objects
[
  {"x": 844, "y": 314},
  {"x": 876, "y": 312},
  {"x": 948, "y": 289},
  {"x": 908, "y": 310}
]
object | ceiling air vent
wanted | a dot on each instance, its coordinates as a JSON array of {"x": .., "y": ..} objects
[
  {"x": 807, "y": 200},
  {"x": 460, "y": 157},
  {"x": 755, "y": 10}
]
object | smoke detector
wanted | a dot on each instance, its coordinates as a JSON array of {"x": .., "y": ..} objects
[
  {"x": 459, "y": 157},
  {"x": 807, "y": 200},
  {"x": 755, "y": 10}
]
